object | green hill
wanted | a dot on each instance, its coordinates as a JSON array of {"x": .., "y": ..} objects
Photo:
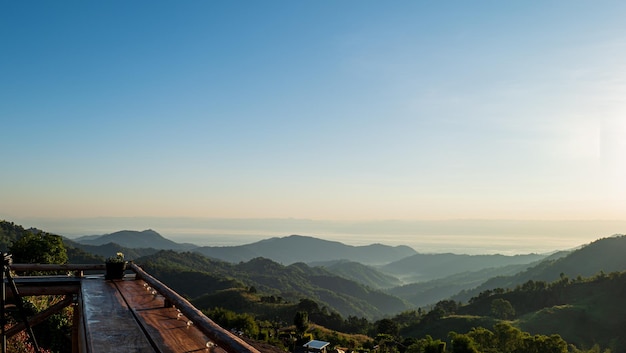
[
  {"x": 422, "y": 294},
  {"x": 606, "y": 254},
  {"x": 583, "y": 311},
  {"x": 194, "y": 275},
  {"x": 10, "y": 232},
  {"x": 363, "y": 274},
  {"x": 343, "y": 295}
]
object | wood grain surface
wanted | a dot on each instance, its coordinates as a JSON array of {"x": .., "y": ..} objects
[
  {"x": 109, "y": 324},
  {"x": 166, "y": 326}
]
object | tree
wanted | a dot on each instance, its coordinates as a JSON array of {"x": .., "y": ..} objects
[
  {"x": 508, "y": 338},
  {"x": 355, "y": 324},
  {"x": 547, "y": 344},
  {"x": 447, "y": 306},
  {"x": 427, "y": 345},
  {"x": 462, "y": 343},
  {"x": 388, "y": 327},
  {"x": 485, "y": 340},
  {"x": 386, "y": 343},
  {"x": 301, "y": 320},
  {"x": 47, "y": 249},
  {"x": 308, "y": 305},
  {"x": 247, "y": 324},
  {"x": 502, "y": 309},
  {"x": 41, "y": 248},
  {"x": 434, "y": 315}
]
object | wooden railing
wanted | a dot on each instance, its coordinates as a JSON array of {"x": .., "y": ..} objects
[
  {"x": 223, "y": 338},
  {"x": 78, "y": 269},
  {"x": 218, "y": 335},
  {"x": 55, "y": 267}
]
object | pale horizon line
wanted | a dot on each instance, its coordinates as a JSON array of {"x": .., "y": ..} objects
[{"x": 430, "y": 236}]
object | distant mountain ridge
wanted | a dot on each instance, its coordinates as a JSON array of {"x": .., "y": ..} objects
[
  {"x": 427, "y": 293},
  {"x": 603, "y": 255},
  {"x": 299, "y": 248},
  {"x": 426, "y": 267},
  {"x": 286, "y": 250},
  {"x": 360, "y": 273},
  {"x": 135, "y": 239}
]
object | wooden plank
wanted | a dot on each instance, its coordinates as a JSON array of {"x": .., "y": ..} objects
[
  {"x": 223, "y": 338},
  {"x": 45, "y": 285},
  {"x": 168, "y": 331},
  {"x": 109, "y": 324}
]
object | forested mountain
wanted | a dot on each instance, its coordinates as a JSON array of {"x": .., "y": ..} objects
[
  {"x": 193, "y": 274},
  {"x": 426, "y": 267},
  {"x": 584, "y": 311},
  {"x": 77, "y": 255},
  {"x": 297, "y": 248},
  {"x": 110, "y": 249},
  {"x": 360, "y": 273},
  {"x": 426, "y": 293},
  {"x": 135, "y": 239},
  {"x": 606, "y": 254}
]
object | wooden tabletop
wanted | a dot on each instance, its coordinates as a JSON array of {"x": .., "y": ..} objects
[{"x": 128, "y": 316}]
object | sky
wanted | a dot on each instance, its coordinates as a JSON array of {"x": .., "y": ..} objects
[{"x": 319, "y": 111}]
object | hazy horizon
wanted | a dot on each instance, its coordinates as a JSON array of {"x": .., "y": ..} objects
[
  {"x": 507, "y": 237},
  {"x": 432, "y": 114}
]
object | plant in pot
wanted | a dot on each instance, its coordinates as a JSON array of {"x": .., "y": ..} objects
[{"x": 115, "y": 266}]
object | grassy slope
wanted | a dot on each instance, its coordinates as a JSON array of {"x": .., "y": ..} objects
[
  {"x": 593, "y": 312},
  {"x": 583, "y": 312}
]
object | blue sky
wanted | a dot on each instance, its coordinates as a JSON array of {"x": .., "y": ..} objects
[{"x": 324, "y": 110}]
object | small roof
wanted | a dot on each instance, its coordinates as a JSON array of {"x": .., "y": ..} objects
[{"x": 315, "y": 344}]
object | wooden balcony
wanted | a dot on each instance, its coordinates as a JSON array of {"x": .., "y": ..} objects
[{"x": 135, "y": 314}]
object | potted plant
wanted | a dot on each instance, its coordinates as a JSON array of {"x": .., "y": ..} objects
[{"x": 115, "y": 266}]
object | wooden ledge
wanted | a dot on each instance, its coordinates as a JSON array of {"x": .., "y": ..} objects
[{"x": 136, "y": 314}]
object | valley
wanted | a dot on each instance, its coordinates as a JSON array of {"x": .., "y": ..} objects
[{"x": 355, "y": 289}]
